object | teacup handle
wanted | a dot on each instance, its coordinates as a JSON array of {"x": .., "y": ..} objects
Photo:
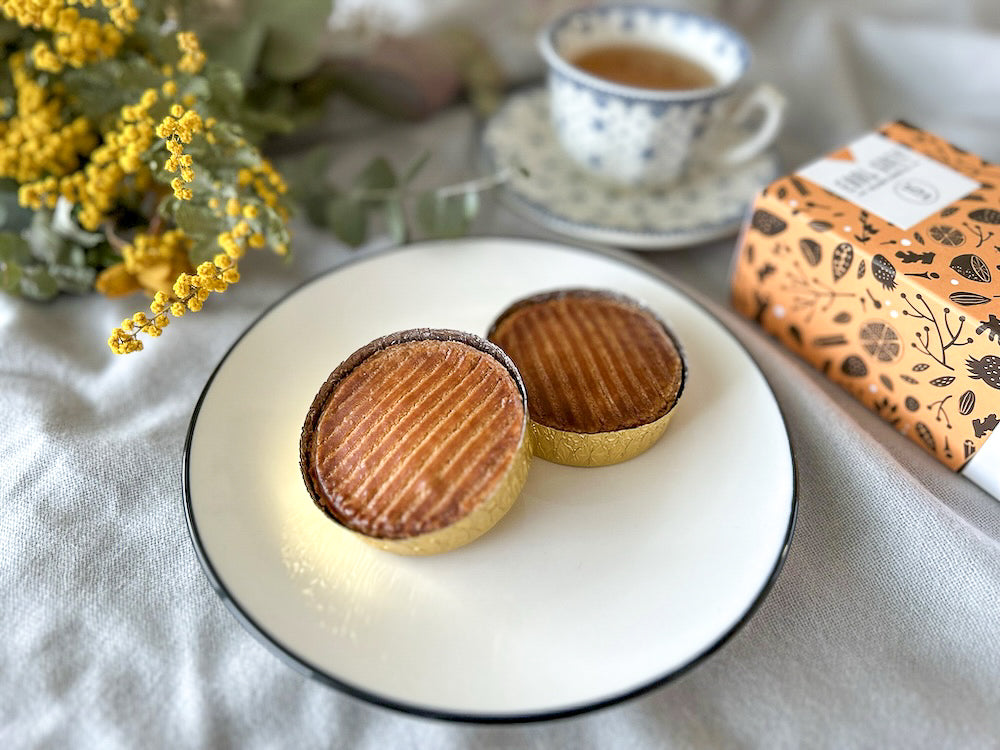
[{"x": 771, "y": 103}]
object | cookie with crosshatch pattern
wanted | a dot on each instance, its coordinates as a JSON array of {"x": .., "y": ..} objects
[
  {"x": 603, "y": 373},
  {"x": 418, "y": 442}
]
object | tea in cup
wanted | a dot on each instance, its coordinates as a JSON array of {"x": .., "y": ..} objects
[{"x": 638, "y": 94}]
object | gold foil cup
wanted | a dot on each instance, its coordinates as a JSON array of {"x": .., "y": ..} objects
[
  {"x": 487, "y": 513},
  {"x": 598, "y": 448},
  {"x": 591, "y": 449}
]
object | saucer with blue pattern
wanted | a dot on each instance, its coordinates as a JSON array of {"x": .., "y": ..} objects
[{"x": 545, "y": 185}]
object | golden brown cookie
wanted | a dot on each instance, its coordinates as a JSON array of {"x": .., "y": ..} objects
[
  {"x": 602, "y": 372},
  {"x": 418, "y": 441}
]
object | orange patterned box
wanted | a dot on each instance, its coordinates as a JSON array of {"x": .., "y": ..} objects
[{"x": 880, "y": 265}]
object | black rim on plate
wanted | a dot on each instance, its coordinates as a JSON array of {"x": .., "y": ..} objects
[{"x": 299, "y": 664}]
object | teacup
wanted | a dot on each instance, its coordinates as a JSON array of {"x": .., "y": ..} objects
[{"x": 649, "y": 131}]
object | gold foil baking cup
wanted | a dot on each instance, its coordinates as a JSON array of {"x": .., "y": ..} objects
[{"x": 596, "y": 449}]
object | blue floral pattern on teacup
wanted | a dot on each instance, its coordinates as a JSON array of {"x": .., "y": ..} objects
[{"x": 630, "y": 135}]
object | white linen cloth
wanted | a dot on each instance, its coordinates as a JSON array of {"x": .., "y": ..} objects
[{"x": 883, "y": 629}]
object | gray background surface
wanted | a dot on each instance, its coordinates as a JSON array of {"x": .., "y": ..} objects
[{"x": 882, "y": 630}]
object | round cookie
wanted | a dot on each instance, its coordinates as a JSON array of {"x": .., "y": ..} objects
[
  {"x": 418, "y": 441},
  {"x": 603, "y": 373}
]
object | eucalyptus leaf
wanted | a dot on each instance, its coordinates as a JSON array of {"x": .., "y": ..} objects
[
  {"x": 14, "y": 249},
  {"x": 38, "y": 284},
  {"x": 307, "y": 170},
  {"x": 46, "y": 245},
  {"x": 13, "y": 216},
  {"x": 441, "y": 215},
  {"x": 295, "y": 39},
  {"x": 395, "y": 221},
  {"x": 64, "y": 225},
  {"x": 306, "y": 176},
  {"x": 378, "y": 174},
  {"x": 238, "y": 51},
  {"x": 72, "y": 279},
  {"x": 314, "y": 208},
  {"x": 302, "y": 16},
  {"x": 10, "y": 276},
  {"x": 347, "y": 219},
  {"x": 267, "y": 121},
  {"x": 75, "y": 256},
  {"x": 290, "y": 55},
  {"x": 470, "y": 205}
]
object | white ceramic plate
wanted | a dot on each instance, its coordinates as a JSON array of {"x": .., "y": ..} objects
[
  {"x": 557, "y": 194},
  {"x": 599, "y": 584}
]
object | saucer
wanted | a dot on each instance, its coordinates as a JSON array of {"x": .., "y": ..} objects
[{"x": 558, "y": 194}]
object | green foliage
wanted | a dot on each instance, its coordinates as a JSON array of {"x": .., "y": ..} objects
[
  {"x": 381, "y": 198},
  {"x": 264, "y": 76},
  {"x": 13, "y": 216},
  {"x": 274, "y": 50},
  {"x": 103, "y": 88},
  {"x": 377, "y": 175},
  {"x": 45, "y": 252},
  {"x": 14, "y": 249},
  {"x": 347, "y": 219},
  {"x": 260, "y": 39},
  {"x": 442, "y": 214},
  {"x": 50, "y": 257},
  {"x": 197, "y": 220}
]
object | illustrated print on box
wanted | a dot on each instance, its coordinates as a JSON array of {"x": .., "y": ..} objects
[{"x": 880, "y": 265}]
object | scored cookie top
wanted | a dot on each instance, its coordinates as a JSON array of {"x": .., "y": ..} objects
[
  {"x": 591, "y": 361},
  {"x": 408, "y": 436}
]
